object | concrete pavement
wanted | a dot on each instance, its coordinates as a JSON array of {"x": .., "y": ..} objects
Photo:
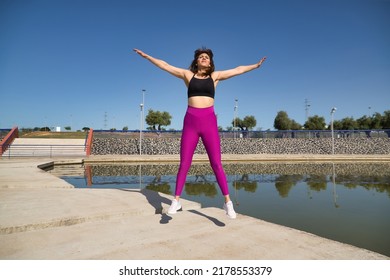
[{"x": 43, "y": 217}]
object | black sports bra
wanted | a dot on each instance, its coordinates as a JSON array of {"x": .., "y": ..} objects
[{"x": 201, "y": 87}]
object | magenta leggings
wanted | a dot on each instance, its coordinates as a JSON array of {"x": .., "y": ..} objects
[{"x": 200, "y": 122}]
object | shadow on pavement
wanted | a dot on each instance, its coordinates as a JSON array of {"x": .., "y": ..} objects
[
  {"x": 156, "y": 200},
  {"x": 214, "y": 220}
]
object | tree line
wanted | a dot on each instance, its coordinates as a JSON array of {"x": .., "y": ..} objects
[
  {"x": 157, "y": 120},
  {"x": 376, "y": 121}
]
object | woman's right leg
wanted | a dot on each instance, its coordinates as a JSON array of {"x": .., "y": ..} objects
[{"x": 189, "y": 141}]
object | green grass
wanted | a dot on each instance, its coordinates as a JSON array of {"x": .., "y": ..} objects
[{"x": 51, "y": 134}]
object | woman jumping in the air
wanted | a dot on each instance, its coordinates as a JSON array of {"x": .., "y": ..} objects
[{"x": 200, "y": 120}]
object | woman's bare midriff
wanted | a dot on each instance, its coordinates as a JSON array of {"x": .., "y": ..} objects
[{"x": 200, "y": 101}]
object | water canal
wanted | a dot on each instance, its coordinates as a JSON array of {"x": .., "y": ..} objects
[{"x": 347, "y": 202}]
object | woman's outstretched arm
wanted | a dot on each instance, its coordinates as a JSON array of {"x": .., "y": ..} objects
[
  {"x": 175, "y": 71},
  {"x": 226, "y": 74}
]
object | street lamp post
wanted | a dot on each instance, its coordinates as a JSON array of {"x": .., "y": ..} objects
[
  {"x": 142, "y": 105},
  {"x": 331, "y": 127},
  {"x": 140, "y": 128},
  {"x": 234, "y": 119}
]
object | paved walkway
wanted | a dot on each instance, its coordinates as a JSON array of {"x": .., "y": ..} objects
[{"x": 43, "y": 217}]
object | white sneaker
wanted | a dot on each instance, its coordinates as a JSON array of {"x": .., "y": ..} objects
[
  {"x": 175, "y": 206},
  {"x": 228, "y": 207}
]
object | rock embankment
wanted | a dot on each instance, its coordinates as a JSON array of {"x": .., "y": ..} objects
[{"x": 171, "y": 146}]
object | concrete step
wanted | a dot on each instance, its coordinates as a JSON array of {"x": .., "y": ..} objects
[
  {"x": 42, "y": 147},
  {"x": 66, "y": 206}
]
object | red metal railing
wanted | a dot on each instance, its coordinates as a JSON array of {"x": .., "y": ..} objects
[
  {"x": 14, "y": 133},
  {"x": 88, "y": 145}
]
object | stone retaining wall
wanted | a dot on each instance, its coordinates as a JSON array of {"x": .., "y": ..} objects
[
  {"x": 164, "y": 146},
  {"x": 349, "y": 172}
]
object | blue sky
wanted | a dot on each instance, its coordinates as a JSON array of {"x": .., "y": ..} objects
[{"x": 70, "y": 63}]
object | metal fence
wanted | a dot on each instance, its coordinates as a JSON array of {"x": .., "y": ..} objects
[{"x": 26, "y": 150}]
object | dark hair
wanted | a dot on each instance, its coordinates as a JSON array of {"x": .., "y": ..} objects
[{"x": 194, "y": 66}]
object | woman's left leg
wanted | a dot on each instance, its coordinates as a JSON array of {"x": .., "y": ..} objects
[{"x": 212, "y": 143}]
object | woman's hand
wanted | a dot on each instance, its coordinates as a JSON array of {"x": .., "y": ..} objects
[
  {"x": 141, "y": 53},
  {"x": 261, "y": 61}
]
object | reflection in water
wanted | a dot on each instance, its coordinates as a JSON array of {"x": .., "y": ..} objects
[
  {"x": 347, "y": 202},
  {"x": 317, "y": 182},
  {"x": 334, "y": 186},
  {"x": 285, "y": 176},
  {"x": 245, "y": 183},
  {"x": 284, "y": 183},
  {"x": 201, "y": 188},
  {"x": 244, "y": 177}
]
